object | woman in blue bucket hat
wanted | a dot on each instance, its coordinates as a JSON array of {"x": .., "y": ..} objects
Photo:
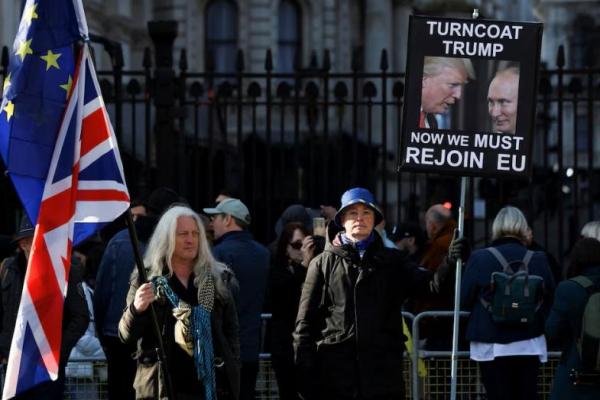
[{"x": 348, "y": 339}]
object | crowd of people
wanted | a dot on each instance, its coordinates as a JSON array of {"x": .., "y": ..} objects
[{"x": 193, "y": 328}]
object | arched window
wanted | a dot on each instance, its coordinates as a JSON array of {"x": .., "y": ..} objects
[
  {"x": 289, "y": 42},
  {"x": 222, "y": 34}
]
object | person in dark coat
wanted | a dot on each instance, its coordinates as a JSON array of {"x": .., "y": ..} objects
[
  {"x": 564, "y": 322},
  {"x": 348, "y": 340},
  {"x": 75, "y": 314},
  {"x": 286, "y": 278},
  {"x": 508, "y": 356},
  {"x": 249, "y": 260},
  {"x": 182, "y": 270}
]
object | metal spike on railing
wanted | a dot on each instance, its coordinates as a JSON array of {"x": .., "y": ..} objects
[
  {"x": 560, "y": 57},
  {"x": 117, "y": 56},
  {"x": 356, "y": 59},
  {"x": 298, "y": 59},
  {"x": 210, "y": 61},
  {"x": 269, "y": 61},
  {"x": 383, "y": 62},
  {"x": 147, "y": 60},
  {"x": 239, "y": 61},
  {"x": 313, "y": 64},
  {"x": 326, "y": 60},
  {"x": 183, "y": 62}
]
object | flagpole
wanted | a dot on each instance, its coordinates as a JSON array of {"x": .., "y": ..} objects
[
  {"x": 143, "y": 278},
  {"x": 457, "y": 282}
]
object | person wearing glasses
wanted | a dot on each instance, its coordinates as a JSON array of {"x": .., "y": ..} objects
[
  {"x": 293, "y": 252},
  {"x": 249, "y": 260}
]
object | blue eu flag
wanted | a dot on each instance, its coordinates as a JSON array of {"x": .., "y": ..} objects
[{"x": 35, "y": 92}]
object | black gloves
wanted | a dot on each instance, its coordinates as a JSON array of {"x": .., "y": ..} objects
[{"x": 459, "y": 248}]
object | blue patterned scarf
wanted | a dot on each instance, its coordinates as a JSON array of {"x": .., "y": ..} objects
[{"x": 200, "y": 328}]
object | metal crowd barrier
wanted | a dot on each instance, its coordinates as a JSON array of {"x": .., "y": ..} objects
[
  {"x": 436, "y": 385},
  {"x": 87, "y": 378}
]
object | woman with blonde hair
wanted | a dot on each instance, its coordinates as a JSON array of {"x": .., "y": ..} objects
[
  {"x": 195, "y": 311},
  {"x": 508, "y": 355},
  {"x": 591, "y": 230}
]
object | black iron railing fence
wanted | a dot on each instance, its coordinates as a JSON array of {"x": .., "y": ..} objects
[{"x": 304, "y": 137}]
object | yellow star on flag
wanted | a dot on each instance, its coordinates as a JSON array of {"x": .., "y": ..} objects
[
  {"x": 30, "y": 14},
  {"x": 51, "y": 60},
  {"x": 6, "y": 83},
  {"x": 24, "y": 49},
  {"x": 67, "y": 86},
  {"x": 10, "y": 110}
]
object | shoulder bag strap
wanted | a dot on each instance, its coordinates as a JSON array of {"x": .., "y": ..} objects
[{"x": 496, "y": 253}]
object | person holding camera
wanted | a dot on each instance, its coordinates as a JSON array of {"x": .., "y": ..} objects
[{"x": 294, "y": 250}]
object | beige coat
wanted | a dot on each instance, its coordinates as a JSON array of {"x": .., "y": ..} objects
[{"x": 225, "y": 332}]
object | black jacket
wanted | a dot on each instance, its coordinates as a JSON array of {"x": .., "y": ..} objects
[
  {"x": 348, "y": 339},
  {"x": 285, "y": 287},
  {"x": 75, "y": 312}
]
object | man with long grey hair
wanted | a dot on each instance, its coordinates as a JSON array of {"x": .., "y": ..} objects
[{"x": 195, "y": 311}]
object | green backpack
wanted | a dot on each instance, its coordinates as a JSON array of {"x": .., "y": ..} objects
[
  {"x": 588, "y": 340},
  {"x": 516, "y": 295}
]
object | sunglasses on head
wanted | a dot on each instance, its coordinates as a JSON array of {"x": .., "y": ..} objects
[{"x": 297, "y": 245}]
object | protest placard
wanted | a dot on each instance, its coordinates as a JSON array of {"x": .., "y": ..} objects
[{"x": 470, "y": 96}]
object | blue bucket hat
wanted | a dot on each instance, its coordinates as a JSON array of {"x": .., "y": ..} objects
[{"x": 354, "y": 196}]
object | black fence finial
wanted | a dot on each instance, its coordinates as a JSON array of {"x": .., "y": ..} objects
[
  {"x": 269, "y": 61},
  {"x": 313, "y": 64},
  {"x": 326, "y": 60},
  {"x": 183, "y": 62},
  {"x": 560, "y": 57},
  {"x": 210, "y": 61},
  {"x": 298, "y": 59},
  {"x": 116, "y": 55},
  {"x": 356, "y": 61},
  {"x": 383, "y": 62},
  {"x": 239, "y": 61}
]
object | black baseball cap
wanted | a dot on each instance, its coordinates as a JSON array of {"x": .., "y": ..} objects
[{"x": 406, "y": 230}]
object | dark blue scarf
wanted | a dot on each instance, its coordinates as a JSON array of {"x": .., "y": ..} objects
[{"x": 361, "y": 245}]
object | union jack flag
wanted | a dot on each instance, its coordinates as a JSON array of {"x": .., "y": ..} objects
[{"x": 83, "y": 187}]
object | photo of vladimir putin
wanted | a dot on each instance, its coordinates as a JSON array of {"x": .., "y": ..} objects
[
  {"x": 503, "y": 100},
  {"x": 442, "y": 86}
]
